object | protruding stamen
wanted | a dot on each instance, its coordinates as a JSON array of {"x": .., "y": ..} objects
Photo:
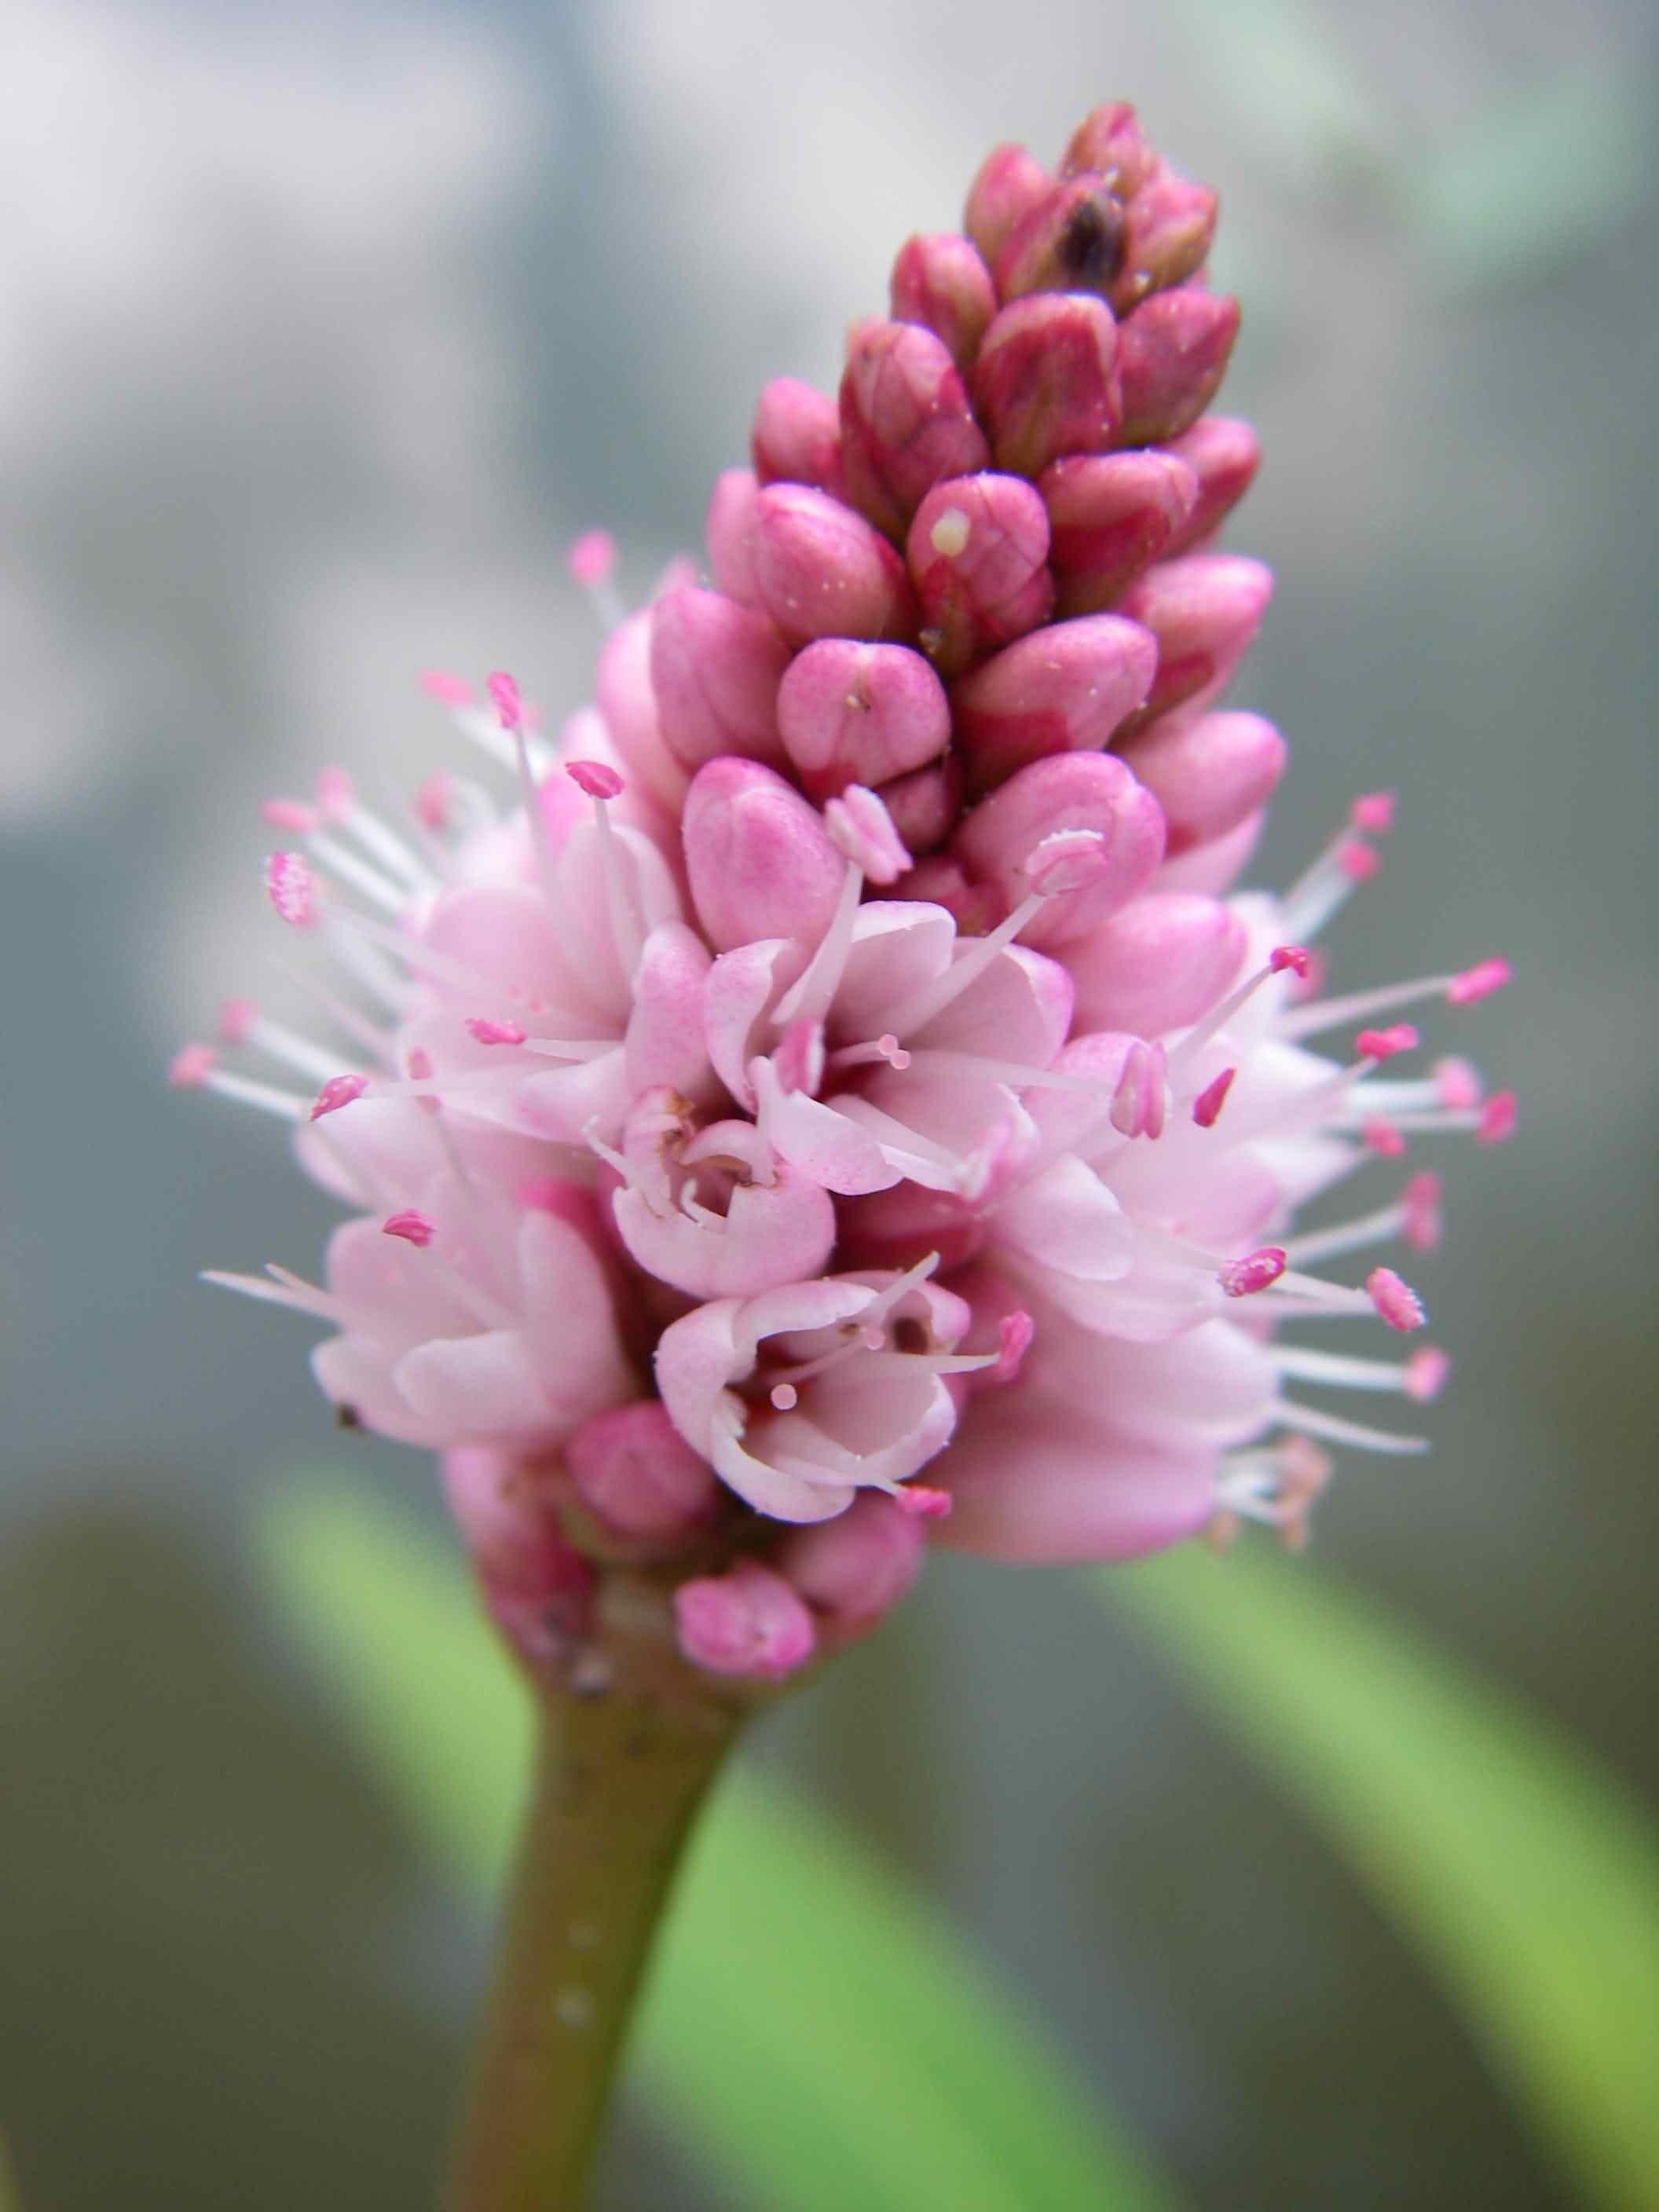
[
  {"x": 1296, "y": 957},
  {"x": 1381, "y": 1137},
  {"x": 413, "y": 1226},
  {"x": 1256, "y": 1271},
  {"x": 1394, "y": 1299},
  {"x": 292, "y": 891},
  {"x": 431, "y": 802},
  {"x": 808, "y": 998},
  {"x": 1497, "y": 1122},
  {"x": 1340, "y": 1431},
  {"x": 1210, "y": 1101},
  {"x": 592, "y": 562},
  {"x": 1372, "y": 812},
  {"x": 448, "y": 690},
  {"x": 339, "y": 1091},
  {"x": 1457, "y": 1083},
  {"x": 1357, "y": 859},
  {"x": 1426, "y": 1373},
  {"x": 296, "y": 816},
  {"x": 975, "y": 955},
  {"x": 1418, "y": 1378},
  {"x": 483, "y": 1030},
  {"x": 506, "y": 699}
]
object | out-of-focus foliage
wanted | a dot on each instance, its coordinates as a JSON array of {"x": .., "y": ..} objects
[
  {"x": 817, "y": 2034},
  {"x": 1527, "y": 1878}
]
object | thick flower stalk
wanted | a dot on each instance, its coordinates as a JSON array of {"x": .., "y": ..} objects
[{"x": 839, "y": 1103}]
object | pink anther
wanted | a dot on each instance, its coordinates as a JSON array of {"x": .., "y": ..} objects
[
  {"x": 594, "y": 777},
  {"x": 236, "y": 1017},
  {"x": 289, "y": 881},
  {"x": 1214, "y": 1096},
  {"x": 296, "y": 816},
  {"x": 1382, "y": 1044},
  {"x": 508, "y": 703},
  {"x": 593, "y": 558},
  {"x": 1426, "y": 1373},
  {"x": 1394, "y": 1299},
  {"x": 483, "y": 1030},
  {"x": 925, "y": 1505},
  {"x": 448, "y": 690},
  {"x": 1479, "y": 981},
  {"x": 1256, "y": 1271},
  {"x": 1382, "y": 1138},
  {"x": 1373, "y": 812},
  {"x": 1496, "y": 1119},
  {"x": 191, "y": 1065},
  {"x": 414, "y": 1228},
  {"x": 336, "y": 794},
  {"x": 1296, "y": 957},
  {"x": 339, "y": 1091},
  {"x": 1357, "y": 861},
  {"x": 1419, "y": 1211},
  {"x": 431, "y": 802}
]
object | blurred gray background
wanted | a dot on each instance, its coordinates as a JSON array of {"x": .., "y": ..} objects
[{"x": 322, "y": 332}]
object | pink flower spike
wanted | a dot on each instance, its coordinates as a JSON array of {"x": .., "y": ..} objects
[
  {"x": 1426, "y": 1373},
  {"x": 1357, "y": 861},
  {"x": 1256, "y": 1271},
  {"x": 1478, "y": 983},
  {"x": 1382, "y": 1138},
  {"x": 1419, "y": 1211},
  {"x": 448, "y": 690},
  {"x": 1394, "y": 1299},
  {"x": 1496, "y": 1119},
  {"x": 339, "y": 1091},
  {"x": 746, "y": 1622},
  {"x": 509, "y": 704},
  {"x": 414, "y": 1227},
  {"x": 483, "y": 1030},
  {"x": 236, "y": 1017},
  {"x": 1214, "y": 1096},
  {"x": 1383, "y": 1044},
  {"x": 336, "y": 794},
  {"x": 289, "y": 884},
  {"x": 431, "y": 802},
  {"x": 592, "y": 559},
  {"x": 594, "y": 777},
  {"x": 294, "y": 815},
  {"x": 1296, "y": 957},
  {"x": 1373, "y": 812},
  {"x": 925, "y": 1505},
  {"x": 190, "y": 1065},
  {"x": 860, "y": 827}
]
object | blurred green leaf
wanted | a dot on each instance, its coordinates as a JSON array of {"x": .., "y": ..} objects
[
  {"x": 9, "y": 2200},
  {"x": 1529, "y": 1881},
  {"x": 810, "y": 2025},
  {"x": 1531, "y": 179}
]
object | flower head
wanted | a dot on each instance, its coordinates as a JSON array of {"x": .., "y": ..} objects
[{"x": 836, "y": 1099}]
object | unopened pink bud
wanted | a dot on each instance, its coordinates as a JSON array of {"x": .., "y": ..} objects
[
  {"x": 822, "y": 571},
  {"x": 747, "y": 1622},
  {"x": 851, "y": 713},
  {"x": 1109, "y": 143},
  {"x": 1009, "y": 184},
  {"x": 1203, "y": 610},
  {"x": 905, "y": 421},
  {"x": 1073, "y": 240},
  {"x": 1156, "y": 965},
  {"x": 858, "y": 1566},
  {"x": 978, "y": 556},
  {"x": 760, "y": 861},
  {"x": 715, "y": 668},
  {"x": 923, "y": 806},
  {"x": 634, "y": 1470},
  {"x": 1170, "y": 224},
  {"x": 1002, "y": 841},
  {"x": 1223, "y": 454},
  {"x": 627, "y": 708},
  {"x": 940, "y": 281},
  {"x": 1064, "y": 688},
  {"x": 729, "y": 534},
  {"x": 1208, "y": 774},
  {"x": 1172, "y": 354},
  {"x": 539, "y": 1590},
  {"x": 1046, "y": 382},
  {"x": 1110, "y": 516},
  {"x": 796, "y": 438}
]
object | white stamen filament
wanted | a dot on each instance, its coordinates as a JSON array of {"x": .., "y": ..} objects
[{"x": 1339, "y": 1431}]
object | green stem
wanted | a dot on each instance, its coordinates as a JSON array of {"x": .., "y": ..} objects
[{"x": 624, "y": 1759}]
